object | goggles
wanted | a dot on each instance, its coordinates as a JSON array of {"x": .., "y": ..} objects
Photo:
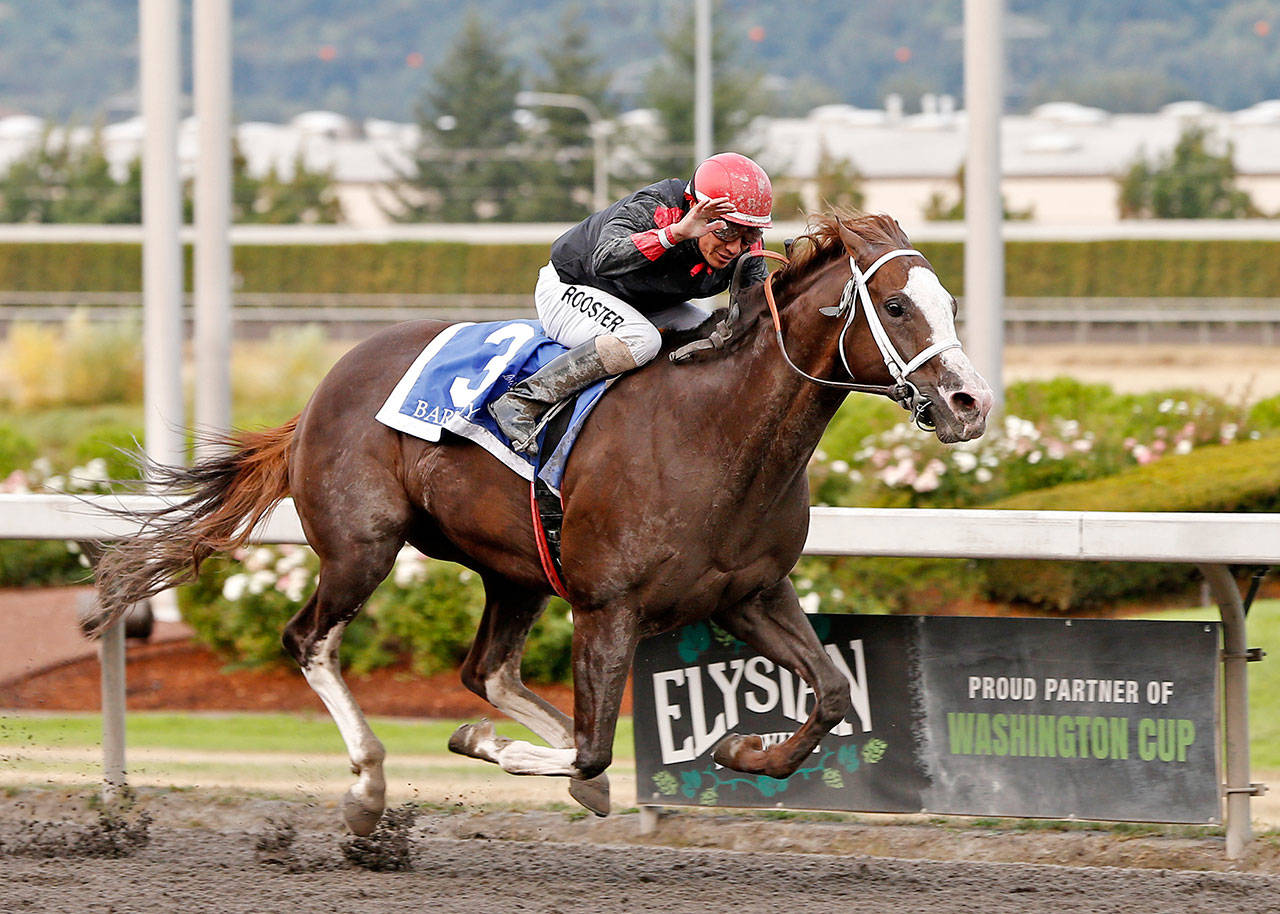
[{"x": 731, "y": 233}]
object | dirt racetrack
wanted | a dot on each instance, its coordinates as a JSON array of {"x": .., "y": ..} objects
[
  {"x": 215, "y": 873},
  {"x": 224, "y": 855},
  {"x": 1239, "y": 374}
]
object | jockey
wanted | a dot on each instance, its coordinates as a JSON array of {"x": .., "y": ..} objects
[{"x": 657, "y": 248}]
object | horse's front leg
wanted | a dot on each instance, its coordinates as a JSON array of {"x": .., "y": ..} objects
[
  {"x": 773, "y": 623},
  {"x": 604, "y": 645}
]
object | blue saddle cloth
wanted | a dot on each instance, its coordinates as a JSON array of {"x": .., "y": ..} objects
[{"x": 465, "y": 367}]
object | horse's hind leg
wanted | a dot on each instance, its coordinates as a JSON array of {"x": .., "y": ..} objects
[
  {"x": 492, "y": 666},
  {"x": 603, "y": 645},
  {"x": 347, "y": 578},
  {"x": 492, "y": 671}
]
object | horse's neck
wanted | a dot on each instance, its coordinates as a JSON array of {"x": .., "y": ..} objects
[{"x": 779, "y": 416}]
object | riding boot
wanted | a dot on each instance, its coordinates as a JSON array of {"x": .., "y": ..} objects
[{"x": 518, "y": 410}]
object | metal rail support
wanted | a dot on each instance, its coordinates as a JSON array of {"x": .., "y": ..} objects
[
  {"x": 649, "y": 816},
  {"x": 1235, "y": 686},
  {"x": 111, "y": 655}
]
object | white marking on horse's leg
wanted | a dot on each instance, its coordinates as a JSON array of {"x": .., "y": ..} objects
[
  {"x": 515, "y": 756},
  {"x": 508, "y": 694},
  {"x": 364, "y": 802},
  {"x": 521, "y": 757},
  {"x": 478, "y": 740}
]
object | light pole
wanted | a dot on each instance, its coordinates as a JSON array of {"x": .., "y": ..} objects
[
  {"x": 595, "y": 126},
  {"x": 984, "y": 244},
  {"x": 211, "y": 38},
  {"x": 159, "y": 79},
  {"x": 702, "y": 139}
]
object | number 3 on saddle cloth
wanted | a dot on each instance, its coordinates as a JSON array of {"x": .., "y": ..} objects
[{"x": 464, "y": 368}]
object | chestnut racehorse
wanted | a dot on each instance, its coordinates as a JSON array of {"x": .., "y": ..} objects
[{"x": 685, "y": 499}]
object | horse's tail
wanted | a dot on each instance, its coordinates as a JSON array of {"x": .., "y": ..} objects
[{"x": 225, "y": 497}]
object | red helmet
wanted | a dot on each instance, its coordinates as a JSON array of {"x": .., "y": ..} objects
[{"x": 742, "y": 181}]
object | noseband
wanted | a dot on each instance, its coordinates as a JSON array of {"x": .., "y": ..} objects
[{"x": 902, "y": 391}]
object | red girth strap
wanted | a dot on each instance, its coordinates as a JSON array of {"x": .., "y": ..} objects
[{"x": 544, "y": 553}]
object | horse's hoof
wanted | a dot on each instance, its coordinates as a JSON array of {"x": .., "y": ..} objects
[
  {"x": 732, "y": 751},
  {"x": 360, "y": 818},
  {"x": 467, "y": 738},
  {"x": 592, "y": 794}
]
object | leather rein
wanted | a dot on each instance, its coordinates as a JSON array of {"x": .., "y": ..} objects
[{"x": 902, "y": 391}]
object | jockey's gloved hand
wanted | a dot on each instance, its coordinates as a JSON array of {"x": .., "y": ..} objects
[{"x": 703, "y": 217}]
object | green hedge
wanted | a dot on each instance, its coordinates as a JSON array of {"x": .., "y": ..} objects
[
  {"x": 40, "y": 563},
  {"x": 1126, "y": 269},
  {"x": 1241, "y": 478},
  {"x": 1051, "y": 268},
  {"x": 405, "y": 267},
  {"x": 1236, "y": 478},
  {"x": 429, "y": 616},
  {"x": 396, "y": 267},
  {"x": 72, "y": 267}
]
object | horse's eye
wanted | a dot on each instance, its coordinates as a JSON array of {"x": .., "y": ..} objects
[{"x": 895, "y": 307}]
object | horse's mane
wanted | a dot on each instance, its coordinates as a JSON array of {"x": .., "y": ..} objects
[{"x": 820, "y": 244}]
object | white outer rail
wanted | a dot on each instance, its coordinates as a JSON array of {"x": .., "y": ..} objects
[
  {"x": 1211, "y": 541},
  {"x": 1237, "y": 539},
  {"x": 89, "y": 517}
]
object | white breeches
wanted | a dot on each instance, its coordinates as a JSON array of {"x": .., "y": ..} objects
[{"x": 572, "y": 314}]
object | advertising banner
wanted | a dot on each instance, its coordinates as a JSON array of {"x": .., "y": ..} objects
[{"x": 1096, "y": 719}]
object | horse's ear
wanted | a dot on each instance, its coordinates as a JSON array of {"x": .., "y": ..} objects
[{"x": 854, "y": 243}]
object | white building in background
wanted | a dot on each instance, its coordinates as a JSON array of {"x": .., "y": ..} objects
[{"x": 1061, "y": 161}]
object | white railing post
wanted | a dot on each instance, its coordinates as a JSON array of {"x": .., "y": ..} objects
[
  {"x": 984, "y": 206},
  {"x": 159, "y": 84}
]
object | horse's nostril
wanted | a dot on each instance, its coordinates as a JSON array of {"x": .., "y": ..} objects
[
  {"x": 963, "y": 402},
  {"x": 971, "y": 401}
]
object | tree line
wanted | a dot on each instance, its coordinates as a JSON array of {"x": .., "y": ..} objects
[
  {"x": 59, "y": 180},
  {"x": 477, "y": 161},
  {"x": 368, "y": 59},
  {"x": 482, "y": 158}
]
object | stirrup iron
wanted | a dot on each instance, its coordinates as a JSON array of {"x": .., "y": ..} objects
[{"x": 529, "y": 444}]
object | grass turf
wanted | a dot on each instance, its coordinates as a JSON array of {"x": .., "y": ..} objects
[{"x": 303, "y": 734}]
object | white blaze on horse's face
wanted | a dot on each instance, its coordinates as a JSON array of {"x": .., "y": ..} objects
[
  {"x": 934, "y": 302},
  {"x": 962, "y": 392}
]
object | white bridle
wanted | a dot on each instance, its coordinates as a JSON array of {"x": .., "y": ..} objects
[
  {"x": 899, "y": 367},
  {"x": 903, "y": 391}
]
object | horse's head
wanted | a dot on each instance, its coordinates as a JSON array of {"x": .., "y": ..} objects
[{"x": 905, "y": 335}]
